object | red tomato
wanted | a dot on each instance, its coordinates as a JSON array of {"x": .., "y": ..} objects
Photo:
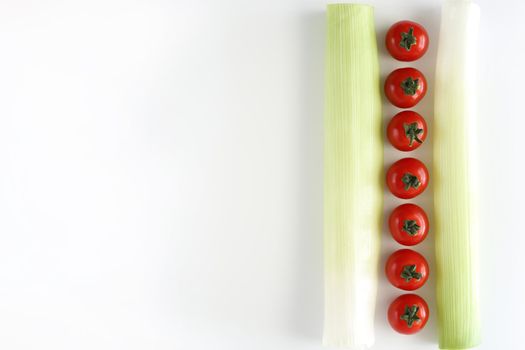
[
  {"x": 407, "y": 178},
  {"x": 407, "y": 130},
  {"x": 408, "y": 224},
  {"x": 407, "y": 41},
  {"x": 406, "y": 269},
  {"x": 405, "y": 87},
  {"x": 408, "y": 314}
]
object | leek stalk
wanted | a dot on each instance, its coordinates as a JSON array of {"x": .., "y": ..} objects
[
  {"x": 352, "y": 176},
  {"x": 454, "y": 176}
]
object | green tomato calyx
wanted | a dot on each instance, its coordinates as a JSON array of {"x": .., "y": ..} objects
[
  {"x": 411, "y": 227},
  {"x": 408, "y": 39},
  {"x": 410, "y": 181},
  {"x": 410, "y": 86},
  {"x": 412, "y": 133},
  {"x": 410, "y": 315},
  {"x": 409, "y": 272}
]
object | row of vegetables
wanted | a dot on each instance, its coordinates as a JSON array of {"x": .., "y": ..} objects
[
  {"x": 353, "y": 177},
  {"x": 406, "y": 269}
]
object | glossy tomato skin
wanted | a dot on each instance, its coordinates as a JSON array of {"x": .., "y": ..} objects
[
  {"x": 407, "y": 41},
  {"x": 407, "y": 269},
  {"x": 408, "y": 224},
  {"x": 407, "y": 131},
  {"x": 405, "y": 87},
  {"x": 401, "y": 320},
  {"x": 407, "y": 178}
]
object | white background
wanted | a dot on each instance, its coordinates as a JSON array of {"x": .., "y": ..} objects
[{"x": 161, "y": 174}]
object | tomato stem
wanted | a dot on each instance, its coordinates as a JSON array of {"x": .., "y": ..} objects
[
  {"x": 410, "y": 315},
  {"x": 410, "y": 86},
  {"x": 410, "y": 181},
  {"x": 411, "y": 132},
  {"x": 411, "y": 227},
  {"x": 408, "y": 39},
  {"x": 409, "y": 272}
]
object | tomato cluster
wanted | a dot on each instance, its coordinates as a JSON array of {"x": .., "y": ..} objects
[{"x": 406, "y": 269}]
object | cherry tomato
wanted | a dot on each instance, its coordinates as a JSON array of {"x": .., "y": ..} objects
[
  {"x": 407, "y": 130},
  {"x": 407, "y": 178},
  {"x": 408, "y": 224},
  {"x": 406, "y": 269},
  {"x": 405, "y": 87},
  {"x": 408, "y": 314},
  {"x": 407, "y": 41}
]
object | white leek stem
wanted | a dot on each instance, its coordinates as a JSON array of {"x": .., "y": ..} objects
[
  {"x": 454, "y": 177},
  {"x": 353, "y": 180}
]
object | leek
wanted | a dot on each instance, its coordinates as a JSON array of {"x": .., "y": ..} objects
[
  {"x": 352, "y": 170},
  {"x": 454, "y": 176}
]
